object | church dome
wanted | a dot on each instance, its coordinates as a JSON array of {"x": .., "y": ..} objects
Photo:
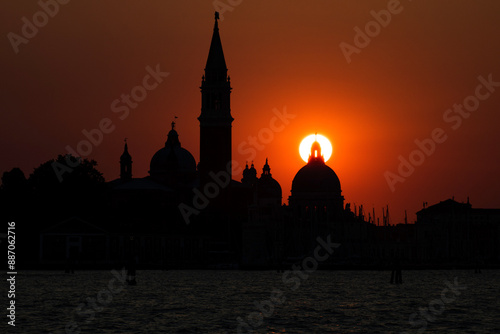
[
  {"x": 316, "y": 176},
  {"x": 172, "y": 160}
]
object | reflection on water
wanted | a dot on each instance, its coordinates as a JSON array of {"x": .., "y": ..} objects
[{"x": 223, "y": 301}]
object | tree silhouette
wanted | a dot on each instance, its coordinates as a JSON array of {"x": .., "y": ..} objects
[
  {"x": 14, "y": 193},
  {"x": 14, "y": 181},
  {"x": 46, "y": 199},
  {"x": 48, "y": 178},
  {"x": 76, "y": 192}
]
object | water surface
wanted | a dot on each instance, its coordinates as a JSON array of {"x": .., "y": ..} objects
[{"x": 213, "y": 301}]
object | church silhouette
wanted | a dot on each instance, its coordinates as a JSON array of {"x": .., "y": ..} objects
[
  {"x": 221, "y": 220},
  {"x": 195, "y": 215}
]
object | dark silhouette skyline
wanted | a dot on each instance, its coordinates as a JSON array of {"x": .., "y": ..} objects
[
  {"x": 395, "y": 91},
  {"x": 198, "y": 216},
  {"x": 137, "y": 199}
]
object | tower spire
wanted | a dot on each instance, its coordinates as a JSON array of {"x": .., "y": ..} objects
[
  {"x": 215, "y": 118},
  {"x": 266, "y": 170},
  {"x": 125, "y": 164},
  {"x": 215, "y": 69}
]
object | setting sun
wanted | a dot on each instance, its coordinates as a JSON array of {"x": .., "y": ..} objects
[{"x": 324, "y": 143}]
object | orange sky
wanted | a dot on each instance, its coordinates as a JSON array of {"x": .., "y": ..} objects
[{"x": 280, "y": 54}]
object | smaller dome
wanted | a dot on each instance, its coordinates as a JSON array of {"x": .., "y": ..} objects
[
  {"x": 169, "y": 159},
  {"x": 267, "y": 186},
  {"x": 172, "y": 160}
]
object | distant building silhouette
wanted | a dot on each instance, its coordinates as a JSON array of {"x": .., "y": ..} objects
[{"x": 450, "y": 231}]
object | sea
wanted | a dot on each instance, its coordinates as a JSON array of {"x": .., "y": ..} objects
[{"x": 237, "y": 301}]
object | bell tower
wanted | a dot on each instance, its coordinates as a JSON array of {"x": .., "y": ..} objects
[
  {"x": 126, "y": 164},
  {"x": 215, "y": 119}
]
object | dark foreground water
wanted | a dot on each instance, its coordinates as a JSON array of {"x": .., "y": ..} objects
[{"x": 264, "y": 301}]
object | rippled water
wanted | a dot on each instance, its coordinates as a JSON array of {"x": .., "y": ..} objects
[{"x": 211, "y": 302}]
